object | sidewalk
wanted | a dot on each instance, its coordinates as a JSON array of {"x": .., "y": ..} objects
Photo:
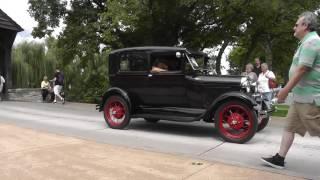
[{"x": 29, "y": 154}]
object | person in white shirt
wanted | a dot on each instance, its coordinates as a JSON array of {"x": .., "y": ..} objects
[
  {"x": 249, "y": 72},
  {"x": 263, "y": 83},
  {"x": 2, "y": 81},
  {"x": 45, "y": 88}
]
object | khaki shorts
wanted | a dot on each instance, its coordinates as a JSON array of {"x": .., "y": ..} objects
[{"x": 302, "y": 118}]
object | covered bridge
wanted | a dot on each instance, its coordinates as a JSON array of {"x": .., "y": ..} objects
[{"x": 8, "y": 32}]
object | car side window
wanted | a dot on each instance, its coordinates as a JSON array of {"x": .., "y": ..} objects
[
  {"x": 124, "y": 63},
  {"x": 134, "y": 62}
]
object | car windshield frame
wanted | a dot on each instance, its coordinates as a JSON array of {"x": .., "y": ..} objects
[{"x": 197, "y": 60}]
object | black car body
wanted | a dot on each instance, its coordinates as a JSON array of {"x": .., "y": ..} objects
[{"x": 189, "y": 90}]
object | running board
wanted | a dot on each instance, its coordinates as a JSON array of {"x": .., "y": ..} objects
[
  {"x": 167, "y": 117},
  {"x": 172, "y": 111}
]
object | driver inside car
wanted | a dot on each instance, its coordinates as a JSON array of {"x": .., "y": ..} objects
[{"x": 159, "y": 66}]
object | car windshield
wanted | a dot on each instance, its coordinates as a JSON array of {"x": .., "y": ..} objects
[
  {"x": 196, "y": 61},
  {"x": 200, "y": 62}
]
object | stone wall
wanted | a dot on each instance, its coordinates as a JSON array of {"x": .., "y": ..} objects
[{"x": 26, "y": 95}]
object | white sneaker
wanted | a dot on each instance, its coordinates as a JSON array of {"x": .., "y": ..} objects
[{"x": 55, "y": 101}]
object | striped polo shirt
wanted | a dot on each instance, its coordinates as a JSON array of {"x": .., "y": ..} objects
[{"x": 308, "y": 54}]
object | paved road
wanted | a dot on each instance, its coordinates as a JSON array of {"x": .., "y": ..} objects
[{"x": 197, "y": 140}]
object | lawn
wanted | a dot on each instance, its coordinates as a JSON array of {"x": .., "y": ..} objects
[{"x": 280, "y": 110}]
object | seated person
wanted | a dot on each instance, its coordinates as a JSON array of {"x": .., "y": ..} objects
[
  {"x": 45, "y": 88},
  {"x": 159, "y": 67}
]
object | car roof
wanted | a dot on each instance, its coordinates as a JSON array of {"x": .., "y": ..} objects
[{"x": 149, "y": 48}]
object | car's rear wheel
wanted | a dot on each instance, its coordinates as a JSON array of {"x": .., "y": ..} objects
[
  {"x": 116, "y": 112},
  {"x": 236, "y": 122},
  {"x": 152, "y": 120}
]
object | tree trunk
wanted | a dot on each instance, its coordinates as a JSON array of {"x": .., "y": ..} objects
[
  {"x": 221, "y": 51},
  {"x": 267, "y": 46},
  {"x": 246, "y": 59}
]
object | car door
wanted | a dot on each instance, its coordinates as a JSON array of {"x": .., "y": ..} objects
[
  {"x": 166, "y": 88},
  {"x": 132, "y": 75}
]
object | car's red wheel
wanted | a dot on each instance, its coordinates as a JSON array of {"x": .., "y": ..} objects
[
  {"x": 236, "y": 122},
  {"x": 116, "y": 112}
]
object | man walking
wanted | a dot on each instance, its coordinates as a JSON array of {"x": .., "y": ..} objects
[
  {"x": 58, "y": 85},
  {"x": 304, "y": 81}
]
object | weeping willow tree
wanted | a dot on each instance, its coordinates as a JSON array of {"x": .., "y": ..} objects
[
  {"x": 87, "y": 82},
  {"x": 84, "y": 81},
  {"x": 30, "y": 64}
]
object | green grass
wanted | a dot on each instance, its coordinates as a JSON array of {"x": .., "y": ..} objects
[{"x": 281, "y": 110}]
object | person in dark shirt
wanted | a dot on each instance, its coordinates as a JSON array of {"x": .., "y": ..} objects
[
  {"x": 257, "y": 66},
  {"x": 58, "y": 85}
]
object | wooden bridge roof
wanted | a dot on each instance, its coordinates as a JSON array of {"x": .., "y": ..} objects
[{"x": 7, "y": 23}]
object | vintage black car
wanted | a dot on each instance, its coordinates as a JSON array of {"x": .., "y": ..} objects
[{"x": 186, "y": 89}]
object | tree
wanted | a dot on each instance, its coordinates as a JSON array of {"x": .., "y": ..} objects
[
  {"x": 81, "y": 35},
  {"x": 195, "y": 24},
  {"x": 269, "y": 34},
  {"x": 29, "y": 64},
  {"x": 96, "y": 26},
  {"x": 47, "y": 13},
  {"x": 78, "y": 47},
  {"x": 86, "y": 84}
]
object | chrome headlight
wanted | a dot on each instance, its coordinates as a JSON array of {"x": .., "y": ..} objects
[
  {"x": 245, "y": 84},
  {"x": 248, "y": 85}
]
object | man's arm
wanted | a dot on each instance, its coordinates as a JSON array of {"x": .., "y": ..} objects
[
  {"x": 297, "y": 76},
  {"x": 52, "y": 80},
  {"x": 157, "y": 69}
]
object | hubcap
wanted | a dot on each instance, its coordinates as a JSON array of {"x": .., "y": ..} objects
[
  {"x": 115, "y": 112},
  {"x": 236, "y": 121}
]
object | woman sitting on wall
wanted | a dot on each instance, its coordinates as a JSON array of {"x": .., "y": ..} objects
[{"x": 45, "y": 88}]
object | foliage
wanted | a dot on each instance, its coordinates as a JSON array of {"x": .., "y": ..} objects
[
  {"x": 93, "y": 24},
  {"x": 94, "y": 27},
  {"x": 146, "y": 22},
  {"x": 78, "y": 48},
  {"x": 190, "y": 23},
  {"x": 48, "y": 14},
  {"x": 269, "y": 35},
  {"x": 86, "y": 84},
  {"x": 29, "y": 65},
  {"x": 31, "y": 61},
  {"x": 82, "y": 35}
]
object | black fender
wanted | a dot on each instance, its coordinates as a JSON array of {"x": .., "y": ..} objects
[
  {"x": 115, "y": 91},
  {"x": 226, "y": 97}
]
